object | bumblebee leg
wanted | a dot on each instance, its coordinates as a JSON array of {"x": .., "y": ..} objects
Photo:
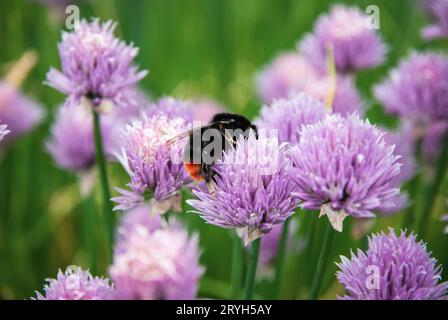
[
  {"x": 229, "y": 141},
  {"x": 211, "y": 187},
  {"x": 208, "y": 173}
]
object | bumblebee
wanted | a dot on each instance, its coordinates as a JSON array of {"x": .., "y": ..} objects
[{"x": 206, "y": 144}]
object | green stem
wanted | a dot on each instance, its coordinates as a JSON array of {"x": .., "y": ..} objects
[
  {"x": 364, "y": 243},
  {"x": 433, "y": 189},
  {"x": 322, "y": 262},
  {"x": 252, "y": 269},
  {"x": 237, "y": 267},
  {"x": 410, "y": 217},
  {"x": 414, "y": 188},
  {"x": 109, "y": 217},
  {"x": 281, "y": 253},
  {"x": 89, "y": 231},
  {"x": 304, "y": 231},
  {"x": 213, "y": 288}
]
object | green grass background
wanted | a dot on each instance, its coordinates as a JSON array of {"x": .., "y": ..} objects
[{"x": 191, "y": 48}]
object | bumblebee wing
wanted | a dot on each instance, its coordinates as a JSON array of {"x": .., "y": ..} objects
[
  {"x": 179, "y": 137},
  {"x": 188, "y": 133}
]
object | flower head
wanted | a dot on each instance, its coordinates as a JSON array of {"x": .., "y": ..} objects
[
  {"x": 433, "y": 138},
  {"x": 171, "y": 108},
  {"x": 438, "y": 11},
  {"x": 289, "y": 115},
  {"x": 346, "y": 97},
  {"x": 403, "y": 141},
  {"x": 139, "y": 216},
  {"x": 418, "y": 89},
  {"x": 76, "y": 284},
  {"x": 202, "y": 109},
  {"x": 71, "y": 143},
  {"x": 137, "y": 101},
  {"x": 269, "y": 246},
  {"x": 344, "y": 167},
  {"x": 289, "y": 72},
  {"x": 95, "y": 65},
  {"x": 401, "y": 267},
  {"x": 355, "y": 44},
  {"x": 253, "y": 191},
  {"x": 155, "y": 167},
  {"x": 157, "y": 264},
  {"x": 18, "y": 112},
  {"x": 206, "y": 108}
]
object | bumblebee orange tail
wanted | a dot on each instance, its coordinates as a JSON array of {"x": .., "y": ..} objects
[{"x": 194, "y": 170}]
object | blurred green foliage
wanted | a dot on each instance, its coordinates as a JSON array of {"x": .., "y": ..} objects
[{"x": 191, "y": 48}]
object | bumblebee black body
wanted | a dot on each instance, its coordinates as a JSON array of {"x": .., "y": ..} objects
[{"x": 199, "y": 157}]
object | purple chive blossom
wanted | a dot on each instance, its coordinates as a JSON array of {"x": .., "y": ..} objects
[
  {"x": 404, "y": 147},
  {"x": 18, "y": 112},
  {"x": 289, "y": 72},
  {"x": 155, "y": 168},
  {"x": 71, "y": 143},
  {"x": 138, "y": 101},
  {"x": 206, "y": 108},
  {"x": 269, "y": 248},
  {"x": 344, "y": 167},
  {"x": 356, "y": 45},
  {"x": 202, "y": 109},
  {"x": 346, "y": 98},
  {"x": 158, "y": 264},
  {"x": 140, "y": 216},
  {"x": 418, "y": 89},
  {"x": 95, "y": 64},
  {"x": 433, "y": 139},
  {"x": 253, "y": 191},
  {"x": 438, "y": 11},
  {"x": 171, "y": 108},
  {"x": 269, "y": 245},
  {"x": 393, "y": 268},
  {"x": 289, "y": 115},
  {"x": 76, "y": 284}
]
